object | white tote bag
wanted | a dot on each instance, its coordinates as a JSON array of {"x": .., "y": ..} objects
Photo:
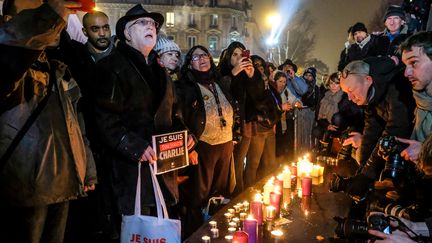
[{"x": 139, "y": 228}]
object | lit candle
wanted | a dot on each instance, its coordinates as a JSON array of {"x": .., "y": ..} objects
[
  {"x": 286, "y": 177},
  {"x": 315, "y": 170},
  {"x": 250, "y": 226},
  {"x": 270, "y": 213},
  {"x": 277, "y": 235},
  {"x": 237, "y": 221},
  {"x": 231, "y": 211},
  {"x": 256, "y": 208},
  {"x": 268, "y": 187},
  {"x": 279, "y": 181},
  {"x": 228, "y": 238},
  {"x": 213, "y": 224},
  {"x": 245, "y": 206},
  {"x": 275, "y": 200},
  {"x": 306, "y": 186},
  {"x": 228, "y": 216},
  {"x": 237, "y": 208},
  {"x": 231, "y": 230},
  {"x": 243, "y": 216},
  {"x": 240, "y": 237},
  {"x": 232, "y": 225},
  {"x": 205, "y": 239}
]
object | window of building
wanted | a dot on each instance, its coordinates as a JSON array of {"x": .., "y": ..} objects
[
  {"x": 212, "y": 42},
  {"x": 214, "y": 20},
  {"x": 192, "y": 41},
  {"x": 170, "y": 19},
  {"x": 234, "y": 21},
  {"x": 191, "y": 17}
]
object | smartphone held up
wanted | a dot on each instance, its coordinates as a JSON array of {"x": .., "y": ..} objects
[{"x": 246, "y": 53}]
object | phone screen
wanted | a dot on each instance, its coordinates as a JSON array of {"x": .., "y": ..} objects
[{"x": 246, "y": 53}]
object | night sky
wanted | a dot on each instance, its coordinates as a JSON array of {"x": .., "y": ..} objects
[{"x": 332, "y": 19}]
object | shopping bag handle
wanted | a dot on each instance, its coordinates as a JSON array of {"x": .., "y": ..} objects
[{"x": 161, "y": 208}]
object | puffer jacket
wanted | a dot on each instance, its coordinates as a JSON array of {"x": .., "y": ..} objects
[{"x": 52, "y": 162}]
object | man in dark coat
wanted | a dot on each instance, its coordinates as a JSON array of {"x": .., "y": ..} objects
[
  {"x": 376, "y": 83},
  {"x": 395, "y": 28},
  {"x": 135, "y": 100},
  {"x": 51, "y": 163},
  {"x": 365, "y": 45}
]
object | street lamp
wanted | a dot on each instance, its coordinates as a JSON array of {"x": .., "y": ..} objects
[{"x": 273, "y": 21}]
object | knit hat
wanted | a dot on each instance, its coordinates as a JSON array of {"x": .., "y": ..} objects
[
  {"x": 310, "y": 70},
  {"x": 358, "y": 27},
  {"x": 394, "y": 10},
  {"x": 164, "y": 44}
]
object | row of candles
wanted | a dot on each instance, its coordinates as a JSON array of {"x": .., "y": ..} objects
[{"x": 267, "y": 205}]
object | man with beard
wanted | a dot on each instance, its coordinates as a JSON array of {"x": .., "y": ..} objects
[
  {"x": 134, "y": 99},
  {"x": 365, "y": 45},
  {"x": 81, "y": 60}
]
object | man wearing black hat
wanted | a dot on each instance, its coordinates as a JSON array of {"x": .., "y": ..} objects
[
  {"x": 365, "y": 45},
  {"x": 395, "y": 29},
  {"x": 134, "y": 99}
]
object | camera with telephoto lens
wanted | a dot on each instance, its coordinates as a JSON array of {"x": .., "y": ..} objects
[
  {"x": 411, "y": 212},
  {"x": 396, "y": 168},
  {"x": 357, "y": 187},
  {"x": 358, "y": 229},
  {"x": 344, "y": 153}
]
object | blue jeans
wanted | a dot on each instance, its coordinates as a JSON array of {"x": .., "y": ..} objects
[{"x": 34, "y": 224}]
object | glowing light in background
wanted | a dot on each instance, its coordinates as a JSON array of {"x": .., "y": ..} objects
[{"x": 279, "y": 20}]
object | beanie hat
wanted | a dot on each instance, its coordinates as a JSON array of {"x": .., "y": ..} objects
[
  {"x": 358, "y": 27},
  {"x": 394, "y": 10},
  {"x": 311, "y": 70},
  {"x": 164, "y": 44}
]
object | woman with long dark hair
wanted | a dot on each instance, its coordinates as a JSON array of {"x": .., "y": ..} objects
[
  {"x": 238, "y": 77},
  {"x": 208, "y": 112}
]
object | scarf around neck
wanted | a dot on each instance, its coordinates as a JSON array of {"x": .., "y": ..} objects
[{"x": 423, "y": 116}]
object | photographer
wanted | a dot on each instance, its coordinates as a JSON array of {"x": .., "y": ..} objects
[
  {"x": 376, "y": 85},
  {"x": 419, "y": 228}
]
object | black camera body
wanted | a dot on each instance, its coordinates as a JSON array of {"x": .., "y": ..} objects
[{"x": 358, "y": 229}]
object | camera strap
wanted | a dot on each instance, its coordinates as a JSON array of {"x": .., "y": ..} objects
[{"x": 212, "y": 88}]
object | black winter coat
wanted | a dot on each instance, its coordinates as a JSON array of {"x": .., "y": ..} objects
[
  {"x": 134, "y": 100},
  {"x": 192, "y": 102},
  {"x": 389, "y": 112}
]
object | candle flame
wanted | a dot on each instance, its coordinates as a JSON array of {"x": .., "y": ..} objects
[{"x": 277, "y": 232}]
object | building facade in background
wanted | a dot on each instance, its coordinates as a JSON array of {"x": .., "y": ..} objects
[{"x": 211, "y": 23}]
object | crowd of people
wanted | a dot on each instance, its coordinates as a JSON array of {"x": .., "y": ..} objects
[{"x": 70, "y": 109}]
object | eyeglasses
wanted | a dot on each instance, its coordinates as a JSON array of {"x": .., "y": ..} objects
[
  {"x": 344, "y": 74},
  {"x": 197, "y": 57},
  {"x": 145, "y": 22}
]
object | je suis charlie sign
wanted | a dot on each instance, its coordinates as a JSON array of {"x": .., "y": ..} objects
[{"x": 171, "y": 150}]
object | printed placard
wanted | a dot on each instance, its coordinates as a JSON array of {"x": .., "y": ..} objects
[{"x": 171, "y": 151}]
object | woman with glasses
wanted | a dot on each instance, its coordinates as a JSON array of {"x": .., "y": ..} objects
[{"x": 208, "y": 112}]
